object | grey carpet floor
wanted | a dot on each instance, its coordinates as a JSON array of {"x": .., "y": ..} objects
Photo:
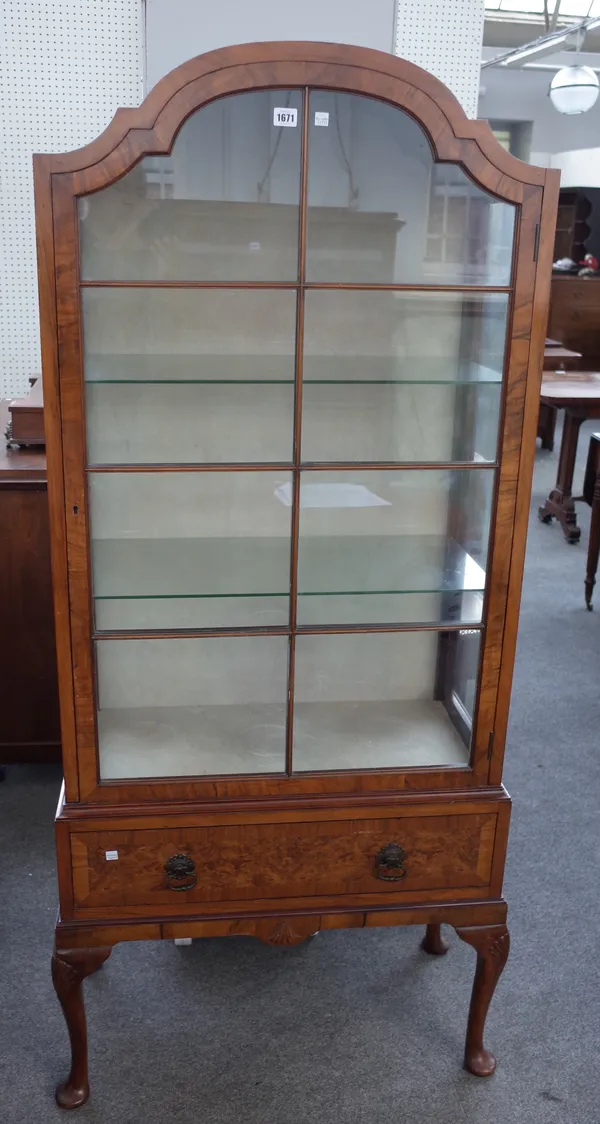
[{"x": 359, "y": 1026}]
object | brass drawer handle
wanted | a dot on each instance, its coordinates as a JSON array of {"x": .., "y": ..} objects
[
  {"x": 389, "y": 863},
  {"x": 181, "y": 872}
]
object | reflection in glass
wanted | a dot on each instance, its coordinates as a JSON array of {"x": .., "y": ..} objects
[
  {"x": 381, "y": 211},
  {"x": 192, "y": 706},
  {"x": 393, "y": 546},
  {"x": 383, "y": 700},
  {"x": 223, "y": 206},
  {"x": 402, "y": 376},
  {"x": 189, "y": 550},
  {"x": 189, "y": 375}
]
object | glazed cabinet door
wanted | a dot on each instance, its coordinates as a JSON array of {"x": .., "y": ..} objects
[{"x": 294, "y": 343}]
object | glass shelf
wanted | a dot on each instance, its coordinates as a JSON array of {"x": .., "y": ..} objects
[
  {"x": 207, "y": 375},
  {"x": 240, "y": 343},
  {"x": 283, "y": 382},
  {"x": 360, "y": 565},
  {"x": 323, "y": 370},
  {"x": 183, "y": 534},
  {"x": 413, "y": 369},
  {"x": 252, "y": 422},
  {"x": 176, "y": 368},
  {"x": 373, "y": 541},
  {"x": 402, "y": 376},
  {"x": 189, "y": 424},
  {"x": 390, "y": 573},
  {"x": 213, "y": 549}
]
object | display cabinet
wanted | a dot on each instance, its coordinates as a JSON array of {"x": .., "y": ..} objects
[{"x": 293, "y": 313}]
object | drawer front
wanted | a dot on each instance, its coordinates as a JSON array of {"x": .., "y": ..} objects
[{"x": 249, "y": 861}]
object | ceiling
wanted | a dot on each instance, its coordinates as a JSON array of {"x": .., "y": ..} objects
[
  {"x": 511, "y": 23},
  {"x": 569, "y": 9}
]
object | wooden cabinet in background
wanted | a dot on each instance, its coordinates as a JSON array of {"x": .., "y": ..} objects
[
  {"x": 574, "y": 317},
  {"x": 290, "y": 452},
  {"x": 577, "y": 223},
  {"x": 29, "y": 717}
]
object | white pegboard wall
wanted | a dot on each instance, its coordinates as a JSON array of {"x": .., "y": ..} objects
[
  {"x": 65, "y": 67},
  {"x": 444, "y": 37}
]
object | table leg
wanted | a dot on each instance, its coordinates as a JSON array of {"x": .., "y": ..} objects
[
  {"x": 547, "y": 425},
  {"x": 560, "y": 502},
  {"x": 594, "y": 545}
]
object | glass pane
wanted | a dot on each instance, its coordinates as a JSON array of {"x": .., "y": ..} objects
[
  {"x": 375, "y": 194},
  {"x": 187, "y": 707},
  {"x": 189, "y": 375},
  {"x": 189, "y": 550},
  {"x": 223, "y": 206},
  {"x": 393, "y": 546},
  {"x": 402, "y": 376},
  {"x": 381, "y": 700}
]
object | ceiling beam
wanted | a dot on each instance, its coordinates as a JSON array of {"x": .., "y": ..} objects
[{"x": 568, "y": 38}]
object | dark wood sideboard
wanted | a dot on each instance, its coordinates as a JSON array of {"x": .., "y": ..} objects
[
  {"x": 575, "y": 316},
  {"x": 578, "y": 223},
  {"x": 29, "y": 714}
]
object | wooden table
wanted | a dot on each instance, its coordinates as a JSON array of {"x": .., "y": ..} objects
[
  {"x": 560, "y": 358},
  {"x": 556, "y": 358},
  {"x": 579, "y": 396}
]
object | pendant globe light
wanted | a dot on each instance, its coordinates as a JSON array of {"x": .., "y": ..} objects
[{"x": 574, "y": 89}]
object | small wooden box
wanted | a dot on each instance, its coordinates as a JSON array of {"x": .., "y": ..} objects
[{"x": 27, "y": 417}]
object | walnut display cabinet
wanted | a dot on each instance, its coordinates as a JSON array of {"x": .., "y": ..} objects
[{"x": 293, "y": 313}]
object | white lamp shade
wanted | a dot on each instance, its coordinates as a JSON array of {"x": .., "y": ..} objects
[{"x": 574, "y": 89}]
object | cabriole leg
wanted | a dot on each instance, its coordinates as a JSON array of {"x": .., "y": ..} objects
[
  {"x": 433, "y": 941},
  {"x": 69, "y": 969},
  {"x": 491, "y": 943}
]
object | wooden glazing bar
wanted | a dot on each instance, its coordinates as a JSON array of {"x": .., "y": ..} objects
[
  {"x": 415, "y": 288},
  {"x": 295, "y": 526},
  {"x": 288, "y": 466},
  {"x": 189, "y": 284},
  {"x": 406, "y": 287},
  {"x": 224, "y": 778},
  {"x": 141, "y": 782},
  {"x": 378, "y": 771},
  {"x": 500, "y": 561},
  {"x": 409, "y": 626},
  {"x": 282, "y": 630},
  {"x": 274, "y": 466},
  {"x": 396, "y": 466},
  {"x": 188, "y": 633},
  {"x": 496, "y": 488}
]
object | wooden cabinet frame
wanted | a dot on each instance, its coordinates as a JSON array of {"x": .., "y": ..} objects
[{"x": 88, "y": 804}]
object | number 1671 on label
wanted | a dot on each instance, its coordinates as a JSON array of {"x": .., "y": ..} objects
[{"x": 286, "y": 117}]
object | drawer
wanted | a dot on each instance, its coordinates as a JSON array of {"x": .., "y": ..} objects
[{"x": 316, "y": 858}]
